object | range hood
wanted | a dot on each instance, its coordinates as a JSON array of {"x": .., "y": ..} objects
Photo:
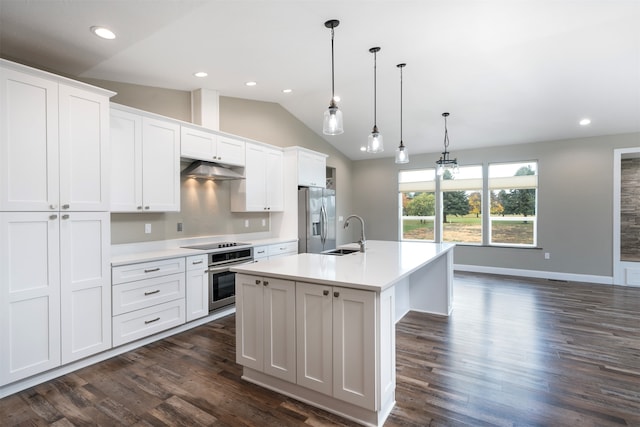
[{"x": 209, "y": 170}]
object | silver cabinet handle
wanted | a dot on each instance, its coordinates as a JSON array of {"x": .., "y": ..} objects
[
  {"x": 197, "y": 262},
  {"x": 336, "y": 294},
  {"x": 265, "y": 283},
  {"x": 325, "y": 292},
  {"x": 257, "y": 282},
  {"x": 54, "y": 216},
  {"x": 66, "y": 206},
  {"x": 52, "y": 207},
  {"x": 139, "y": 208},
  {"x": 151, "y": 270},
  {"x": 146, "y": 322},
  {"x": 152, "y": 292},
  {"x": 65, "y": 216},
  {"x": 146, "y": 207}
]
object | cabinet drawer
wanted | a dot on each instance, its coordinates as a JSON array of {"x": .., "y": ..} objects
[
  {"x": 197, "y": 262},
  {"x": 146, "y": 293},
  {"x": 147, "y": 270},
  {"x": 260, "y": 252},
  {"x": 283, "y": 249},
  {"x": 141, "y": 323}
]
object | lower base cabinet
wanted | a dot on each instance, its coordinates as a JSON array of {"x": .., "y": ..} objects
[
  {"x": 265, "y": 325},
  {"x": 319, "y": 337}
]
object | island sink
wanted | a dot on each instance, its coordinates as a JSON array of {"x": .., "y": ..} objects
[{"x": 340, "y": 252}]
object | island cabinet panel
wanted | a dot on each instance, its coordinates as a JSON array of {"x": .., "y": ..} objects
[
  {"x": 265, "y": 325},
  {"x": 336, "y": 342}
]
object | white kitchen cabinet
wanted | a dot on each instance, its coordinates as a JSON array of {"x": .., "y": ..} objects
[
  {"x": 145, "y": 162},
  {"x": 29, "y": 294},
  {"x": 336, "y": 353},
  {"x": 312, "y": 169},
  {"x": 54, "y": 142},
  {"x": 148, "y": 297},
  {"x": 262, "y": 190},
  {"x": 274, "y": 250},
  {"x": 85, "y": 284},
  {"x": 200, "y": 144},
  {"x": 265, "y": 325},
  {"x": 197, "y": 292}
]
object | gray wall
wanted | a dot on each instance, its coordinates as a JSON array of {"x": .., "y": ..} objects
[
  {"x": 205, "y": 205},
  {"x": 575, "y": 205}
]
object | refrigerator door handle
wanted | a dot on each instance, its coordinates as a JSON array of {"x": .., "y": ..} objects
[{"x": 323, "y": 225}]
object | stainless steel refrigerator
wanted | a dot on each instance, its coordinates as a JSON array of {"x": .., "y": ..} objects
[{"x": 316, "y": 219}]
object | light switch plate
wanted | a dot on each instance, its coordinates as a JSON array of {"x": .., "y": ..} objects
[{"x": 147, "y": 228}]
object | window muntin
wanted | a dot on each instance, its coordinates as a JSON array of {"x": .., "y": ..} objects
[{"x": 513, "y": 189}]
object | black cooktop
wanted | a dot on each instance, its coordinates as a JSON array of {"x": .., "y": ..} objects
[{"x": 219, "y": 245}]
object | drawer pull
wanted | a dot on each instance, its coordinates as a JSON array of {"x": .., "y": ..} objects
[
  {"x": 336, "y": 294},
  {"x": 257, "y": 282},
  {"x": 152, "y": 292},
  {"x": 197, "y": 262},
  {"x": 325, "y": 292},
  {"x": 266, "y": 283},
  {"x": 151, "y": 270},
  {"x": 146, "y": 322}
]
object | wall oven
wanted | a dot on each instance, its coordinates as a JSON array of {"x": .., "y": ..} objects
[{"x": 222, "y": 282}]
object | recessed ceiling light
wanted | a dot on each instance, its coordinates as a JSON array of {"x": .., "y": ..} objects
[
  {"x": 103, "y": 32},
  {"x": 200, "y": 74},
  {"x": 585, "y": 122},
  {"x": 251, "y": 83},
  {"x": 287, "y": 90},
  {"x": 363, "y": 148}
]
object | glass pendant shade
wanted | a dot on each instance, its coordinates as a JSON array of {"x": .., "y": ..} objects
[
  {"x": 332, "y": 124},
  {"x": 402, "y": 154},
  {"x": 374, "y": 142}
]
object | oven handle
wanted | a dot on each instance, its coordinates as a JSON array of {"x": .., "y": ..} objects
[{"x": 226, "y": 267}]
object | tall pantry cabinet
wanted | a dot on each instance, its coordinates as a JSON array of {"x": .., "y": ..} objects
[{"x": 55, "y": 292}]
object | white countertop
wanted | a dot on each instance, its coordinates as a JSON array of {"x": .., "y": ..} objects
[
  {"x": 155, "y": 251},
  {"x": 381, "y": 266}
]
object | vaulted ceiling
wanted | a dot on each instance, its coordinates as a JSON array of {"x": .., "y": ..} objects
[{"x": 508, "y": 71}]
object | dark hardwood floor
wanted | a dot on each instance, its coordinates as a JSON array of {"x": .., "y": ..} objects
[{"x": 515, "y": 352}]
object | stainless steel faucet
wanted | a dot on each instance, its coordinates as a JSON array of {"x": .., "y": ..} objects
[{"x": 362, "y": 240}]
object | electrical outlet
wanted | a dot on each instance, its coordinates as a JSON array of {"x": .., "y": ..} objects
[
  {"x": 547, "y": 255},
  {"x": 179, "y": 226},
  {"x": 264, "y": 222},
  {"x": 246, "y": 223},
  {"x": 147, "y": 228}
]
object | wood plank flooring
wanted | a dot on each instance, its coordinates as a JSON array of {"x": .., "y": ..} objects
[{"x": 515, "y": 352}]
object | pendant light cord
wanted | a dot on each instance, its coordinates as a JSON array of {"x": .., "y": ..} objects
[
  {"x": 401, "y": 106},
  {"x": 446, "y": 135},
  {"x": 333, "y": 90},
  {"x": 375, "y": 102}
]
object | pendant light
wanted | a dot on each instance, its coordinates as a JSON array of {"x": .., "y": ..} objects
[
  {"x": 445, "y": 162},
  {"x": 402, "y": 154},
  {"x": 374, "y": 142},
  {"x": 332, "y": 124}
]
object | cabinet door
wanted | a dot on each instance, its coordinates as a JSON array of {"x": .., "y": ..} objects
[
  {"x": 280, "y": 329},
  {"x": 354, "y": 350},
  {"x": 231, "y": 151},
  {"x": 28, "y": 143},
  {"x": 198, "y": 144},
  {"x": 126, "y": 161},
  {"x": 314, "y": 337},
  {"x": 197, "y": 287},
  {"x": 29, "y": 294},
  {"x": 160, "y": 165},
  {"x": 274, "y": 180},
  {"x": 84, "y": 150},
  {"x": 249, "y": 327},
  {"x": 85, "y": 284},
  {"x": 255, "y": 171},
  {"x": 311, "y": 169}
]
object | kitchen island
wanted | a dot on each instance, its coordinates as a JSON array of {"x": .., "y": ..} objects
[{"x": 321, "y": 328}]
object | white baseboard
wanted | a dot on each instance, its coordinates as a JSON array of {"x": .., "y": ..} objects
[{"x": 570, "y": 277}]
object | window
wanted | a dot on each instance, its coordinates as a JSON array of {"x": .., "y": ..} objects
[
  {"x": 462, "y": 205},
  {"x": 417, "y": 204},
  {"x": 513, "y": 189}
]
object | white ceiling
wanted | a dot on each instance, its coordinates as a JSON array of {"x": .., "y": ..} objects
[{"x": 511, "y": 71}]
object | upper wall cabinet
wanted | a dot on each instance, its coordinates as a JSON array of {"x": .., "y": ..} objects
[
  {"x": 199, "y": 144},
  {"x": 262, "y": 190},
  {"x": 310, "y": 166},
  {"x": 54, "y": 144},
  {"x": 145, "y": 162}
]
